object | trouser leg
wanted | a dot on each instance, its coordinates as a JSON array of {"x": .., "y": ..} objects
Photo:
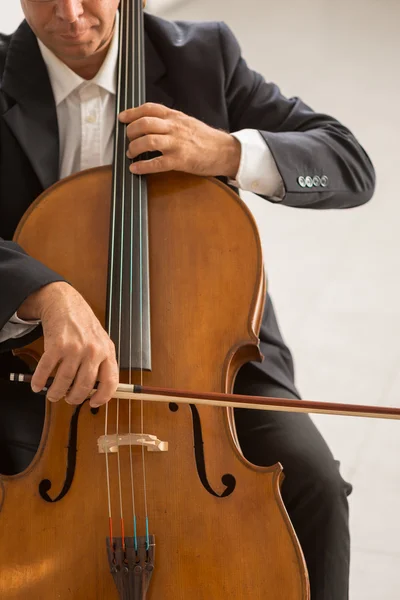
[
  {"x": 313, "y": 490},
  {"x": 21, "y": 420}
]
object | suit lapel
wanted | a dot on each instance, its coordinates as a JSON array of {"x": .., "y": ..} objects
[
  {"x": 156, "y": 76},
  {"x": 33, "y": 119}
]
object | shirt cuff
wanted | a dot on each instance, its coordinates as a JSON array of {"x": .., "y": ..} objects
[
  {"x": 15, "y": 319},
  {"x": 16, "y": 328},
  {"x": 257, "y": 172}
]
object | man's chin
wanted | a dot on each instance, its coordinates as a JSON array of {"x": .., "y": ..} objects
[{"x": 74, "y": 50}]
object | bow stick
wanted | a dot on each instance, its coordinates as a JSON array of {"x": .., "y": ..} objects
[{"x": 152, "y": 394}]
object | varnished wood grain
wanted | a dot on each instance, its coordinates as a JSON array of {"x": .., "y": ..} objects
[{"x": 207, "y": 289}]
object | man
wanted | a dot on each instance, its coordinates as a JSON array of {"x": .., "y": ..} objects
[{"x": 56, "y": 99}]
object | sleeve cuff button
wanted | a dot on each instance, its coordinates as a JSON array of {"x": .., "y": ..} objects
[
  {"x": 309, "y": 181},
  {"x": 301, "y": 181}
]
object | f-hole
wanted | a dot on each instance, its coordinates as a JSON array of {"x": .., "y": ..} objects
[
  {"x": 228, "y": 480},
  {"x": 45, "y": 484}
]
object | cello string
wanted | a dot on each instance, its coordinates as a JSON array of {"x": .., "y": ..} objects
[
  {"x": 112, "y": 255},
  {"x": 140, "y": 94},
  {"x": 130, "y": 68},
  {"x": 108, "y": 483},
  {"x": 121, "y": 281},
  {"x": 119, "y": 479},
  {"x": 134, "y": 518}
]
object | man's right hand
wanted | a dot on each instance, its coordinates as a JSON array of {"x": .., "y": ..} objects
[{"x": 75, "y": 343}]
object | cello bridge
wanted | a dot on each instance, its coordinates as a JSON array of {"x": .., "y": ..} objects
[{"x": 111, "y": 443}]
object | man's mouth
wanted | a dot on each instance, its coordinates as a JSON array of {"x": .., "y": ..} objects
[{"x": 73, "y": 36}]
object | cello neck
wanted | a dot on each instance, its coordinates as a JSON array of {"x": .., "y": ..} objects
[{"x": 128, "y": 301}]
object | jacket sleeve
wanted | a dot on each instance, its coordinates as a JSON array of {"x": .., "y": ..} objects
[
  {"x": 320, "y": 161},
  {"x": 20, "y": 276}
]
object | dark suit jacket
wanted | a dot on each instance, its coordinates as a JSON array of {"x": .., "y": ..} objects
[{"x": 198, "y": 69}]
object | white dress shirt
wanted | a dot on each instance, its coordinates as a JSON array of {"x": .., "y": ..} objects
[{"x": 86, "y": 119}]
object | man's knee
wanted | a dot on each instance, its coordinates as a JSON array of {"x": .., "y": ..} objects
[{"x": 318, "y": 481}]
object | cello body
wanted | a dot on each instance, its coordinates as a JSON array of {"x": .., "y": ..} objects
[{"x": 217, "y": 523}]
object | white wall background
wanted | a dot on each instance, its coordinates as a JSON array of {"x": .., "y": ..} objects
[{"x": 334, "y": 276}]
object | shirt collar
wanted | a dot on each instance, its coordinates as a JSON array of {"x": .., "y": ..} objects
[{"x": 64, "y": 81}]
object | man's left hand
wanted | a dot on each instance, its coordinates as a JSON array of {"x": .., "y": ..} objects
[{"x": 186, "y": 144}]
